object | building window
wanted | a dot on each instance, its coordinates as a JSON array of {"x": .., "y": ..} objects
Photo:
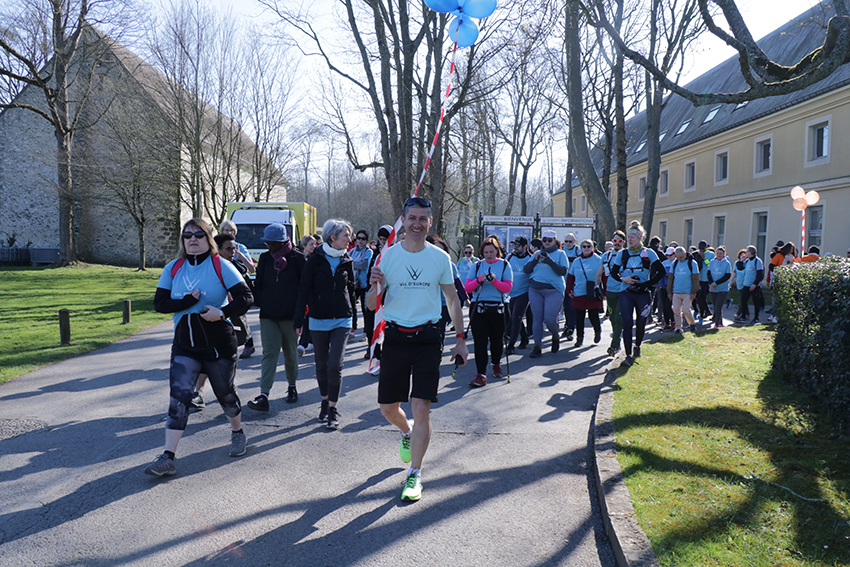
[
  {"x": 740, "y": 105},
  {"x": 574, "y": 205},
  {"x": 641, "y": 188},
  {"x": 690, "y": 176},
  {"x": 640, "y": 146},
  {"x": 814, "y": 227},
  {"x": 760, "y": 222},
  {"x": 583, "y": 203},
  {"x": 817, "y": 141},
  {"x": 662, "y": 136},
  {"x": 763, "y": 156},
  {"x": 721, "y": 167},
  {"x": 683, "y": 127},
  {"x": 689, "y": 233},
  {"x": 720, "y": 231},
  {"x": 662, "y": 229},
  {"x": 711, "y": 114},
  {"x": 664, "y": 183}
]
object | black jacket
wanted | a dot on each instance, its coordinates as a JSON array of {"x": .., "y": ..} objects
[
  {"x": 277, "y": 293},
  {"x": 329, "y": 296}
]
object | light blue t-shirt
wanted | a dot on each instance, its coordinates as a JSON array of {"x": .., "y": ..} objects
[
  {"x": 542, "y": 273},
  {"x": 413, "y": 281},
  {"x": 739, "y": 277},
  {"x": 718, "y": 269},
  {"x": 443, "y": 295},
  {"x": 751, "y": 266},
  {"x": 486, "y": 291},
  {"x": 330, "y": 324},
  {"x": 203, "y": 277},
  {"x": 682, "y": 271},
  {"x": 584, "y": 270},
  {"x": 520, "y": 277},
  {"x": 361, "y": 257},
  {"x": 634, "y": 265},
  {"x": 703, "y": 269},
  {"x": 668, "y": 265},
  {"x": 571, "y": 254},
  {"x": 464, "y": 265},
  {"x": 613, "y": 286}
]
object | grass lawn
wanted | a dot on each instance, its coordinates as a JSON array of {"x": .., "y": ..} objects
[
  {"x": 726, "y": 463},
  {"x": 32, "y": 298}
]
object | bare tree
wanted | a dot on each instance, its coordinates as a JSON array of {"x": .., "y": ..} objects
[
  {"x": 67, "y": 74},
  {"x": 763, "y": 76}
]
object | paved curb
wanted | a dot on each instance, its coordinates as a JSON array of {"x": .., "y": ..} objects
[{"x": 631, "y": 546}]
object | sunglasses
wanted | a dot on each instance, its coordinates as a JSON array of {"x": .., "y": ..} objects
[
  {"x": 547, "y": 240},
  {"x": 198, "y": 235},
  {"x": 361, "y": 238},
  {"x": 618, "y": 241},
  {"x": 467, "y": 253},
  {"x": 418, "y": 202},
  {"x": 586, "y": 246},
  {"x": 569, "y": 241}
]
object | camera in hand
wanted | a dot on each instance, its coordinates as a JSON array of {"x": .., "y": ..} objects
[{"x": 489, "y": 276}]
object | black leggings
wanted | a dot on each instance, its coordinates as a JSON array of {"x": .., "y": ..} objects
[
  {"x": 185, "y": 368},
  {"x": 758, "y": 299},
  {"x": 631, "y": 303},
  {"x": 329, "y": 349},
  {"x": 518, "y": 309},
  {"x": 487, "y": 328},
  {"x": 593, "y": 315}
]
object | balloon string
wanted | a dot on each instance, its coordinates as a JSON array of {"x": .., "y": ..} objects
[{"x": 380, "y": 324}]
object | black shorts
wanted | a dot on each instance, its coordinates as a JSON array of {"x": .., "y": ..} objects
[{"x": 407, "y": 351}]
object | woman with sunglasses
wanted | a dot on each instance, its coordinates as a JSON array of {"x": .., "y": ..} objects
[
  {"x": 202, "y": 292},
  {"x": 639, "y": 268},
  {"x": 583, "y": 277},
  {"x": 466, "y": 262},
  {"x": 546, "y": 286},
  {"x": 612, "y": 291}
]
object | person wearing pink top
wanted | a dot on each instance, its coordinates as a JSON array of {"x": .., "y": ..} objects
[{"x": 487, "y": 285}]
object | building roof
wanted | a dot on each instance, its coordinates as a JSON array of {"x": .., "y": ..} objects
[{"x": 686, "y": 124}]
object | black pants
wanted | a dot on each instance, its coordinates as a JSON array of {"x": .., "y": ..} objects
[
  {"x": 359, "y": 293},
  {"x": 518, "y": 308},
  {"x": 758, "y": 299},
  {"x": 634, "y": 309},
  {"x": 593, "y": 315},
  {"x": 702, "y": 300},
  {"x": 666, "y": 306},
  {"x": 487, "y": 328}
]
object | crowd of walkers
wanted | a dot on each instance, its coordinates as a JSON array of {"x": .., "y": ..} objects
[{"x": 308, "y": 295}]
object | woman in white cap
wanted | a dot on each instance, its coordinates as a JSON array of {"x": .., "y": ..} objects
[{"x": 546, "y": 286}]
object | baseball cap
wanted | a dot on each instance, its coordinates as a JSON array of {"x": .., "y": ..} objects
[{"x": 521, "y": 241}]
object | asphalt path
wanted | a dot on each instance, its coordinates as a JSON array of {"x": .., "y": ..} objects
[{"x": 507, "y": 478}]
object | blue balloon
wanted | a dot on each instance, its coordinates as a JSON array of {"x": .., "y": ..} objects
[
  {"x": 464, "y": 34},
  {"x": 442, "y": 6},
  {"x": 479, "y": 8}
]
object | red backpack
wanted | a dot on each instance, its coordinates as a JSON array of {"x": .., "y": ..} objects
[{"x": 216, "y": 259}]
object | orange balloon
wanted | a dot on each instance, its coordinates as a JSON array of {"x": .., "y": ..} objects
[
  {"x": 812, "y": 198},
  {"x": 800, "y": 204},
  {"x": 798, "y": 192}
]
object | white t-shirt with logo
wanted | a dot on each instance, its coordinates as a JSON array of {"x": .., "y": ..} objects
[{"x": 413, "y": 282}]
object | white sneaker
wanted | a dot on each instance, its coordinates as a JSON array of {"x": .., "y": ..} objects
[
  {"x": 301, "y": 350},
  {"x": 309, "y": 347}
]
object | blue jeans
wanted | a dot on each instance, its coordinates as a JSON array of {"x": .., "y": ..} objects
[{"x": 545, "y": 305}]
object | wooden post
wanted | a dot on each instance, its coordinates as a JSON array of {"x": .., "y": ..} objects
[
  {"x": 64, "y": 327},
  {"x": 127, "y": 309}
]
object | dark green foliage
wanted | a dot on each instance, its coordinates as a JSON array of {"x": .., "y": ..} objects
[{"x": 813, "y": 336}]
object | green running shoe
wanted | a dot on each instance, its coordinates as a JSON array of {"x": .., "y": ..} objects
[
  {"x": 404, "y": 449},
  {"x": 412, "y": 489}
]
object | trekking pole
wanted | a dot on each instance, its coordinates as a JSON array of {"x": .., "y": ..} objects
[{"x": 507, "y": 357}]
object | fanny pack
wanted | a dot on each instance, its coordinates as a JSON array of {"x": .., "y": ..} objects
[
  {"x": 422, "y": 334},
  {"x": 490, "y": 307}
]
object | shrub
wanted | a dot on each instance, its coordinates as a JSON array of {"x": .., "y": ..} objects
[{"x": 812, "y": 303}]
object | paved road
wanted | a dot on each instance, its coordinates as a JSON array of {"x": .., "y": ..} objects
[{"x": 508, "y": 476}]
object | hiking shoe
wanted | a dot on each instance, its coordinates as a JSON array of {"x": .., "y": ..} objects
[
  {"x": 497, "y": 371},
  {"x": 509, "y": 351},
  {"x": 567, "y": 334},
  {"x": 597, "y": 337},
  {"x": 636, "y": 352},
  {"x": 238, "y": 443},
  {"x": 578, "y": 343},
  {"x": 556, "y": 342},
  {"x": 197, "y": 402},
  {"x": 333, "y": 418},
  {"x": 628, "y": 361},
  {"x": 480, "y": 380},
  {"x": 523, "y": 343},
  {"x": 677, "y": 332},
  {"x": 412, "y": 489},
  {"x": 366, "y": 355},
  {"x": 291, "y": 395},
  {"x": 301, "y": 350},
  {"x": 404, "y": 449},
  {"x": 612, "y": 351},
  {"x": 536, "y": 352},
  {"x": 260, "y": 403},
  {"x": 323, "y": 411},
  {"x": 247, "y": 352},
  {"x": 161, "y": 466},
  {"x": 755, "y": 321}
]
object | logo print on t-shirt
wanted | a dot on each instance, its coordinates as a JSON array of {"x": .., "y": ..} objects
[{"x": 413, "y": 273}]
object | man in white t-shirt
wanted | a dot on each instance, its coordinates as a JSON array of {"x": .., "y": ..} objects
[{"x": 412, "y": 274}]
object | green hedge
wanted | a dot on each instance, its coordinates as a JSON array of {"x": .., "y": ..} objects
[{"x": 812, "y": 303}]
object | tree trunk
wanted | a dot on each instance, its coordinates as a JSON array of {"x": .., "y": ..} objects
[
  {"x": 622, "y": 158},
  {"x": 654, "y": 106},
  {"x": 142, "y": 262},
  {"x": 568, "y": 183},
  {"x": 583, "y": 162},
  {"x": 67, "y": 242}
]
